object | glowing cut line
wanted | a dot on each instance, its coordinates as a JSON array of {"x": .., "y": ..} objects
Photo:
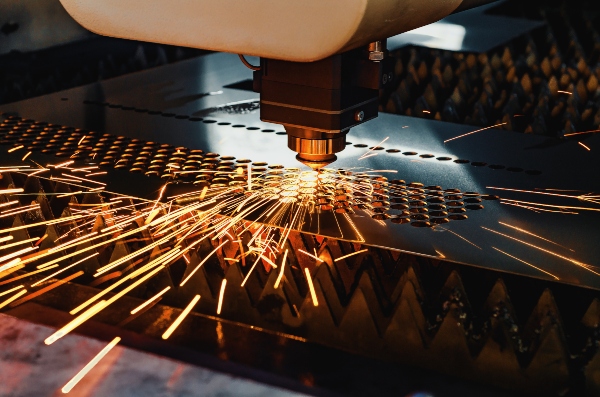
[
  {"x": 221, "y": 294},
  {"x": 473, "y": 132},
  {"x": 84, "y": 371},
  {"x": 149, "y": 301},
  {"x": 527, "y": 263},
  {"x": 313, "y": 294},
  {"x": 181, "y": 317}
]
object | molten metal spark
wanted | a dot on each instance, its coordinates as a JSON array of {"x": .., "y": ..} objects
[
  {"x": 313, "y": 294},
  {"x": 150, "y": 301},
  {"x": 279, "y": 277},
  {"x": 527, "y": 263},
  {"x": 85, "y": 370},
  {"x": 349, "y": 255},
  {"x": 580, "y": 264},
  {"x": 12, "y": 298},
  {"x": 473, "y": 132},
  {"x": 221, "y": 294},
  {"x": 534, "y": 235},
  {"x": 584, "y": 146},
  {"x": 181, "y": 317}
]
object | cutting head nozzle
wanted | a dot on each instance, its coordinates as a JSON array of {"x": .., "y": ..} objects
[
  {"x": 316, "y": 149},
  {"x": 316, "y": 162}
]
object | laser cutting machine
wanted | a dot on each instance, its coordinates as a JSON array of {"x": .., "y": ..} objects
[{"x": 470, "y": 267}]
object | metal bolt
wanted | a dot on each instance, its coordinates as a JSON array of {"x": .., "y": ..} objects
[
  {"x": 376, "y": 51},
  {"x": 385, "y": 78},
  {"x": 359, "y": 115},
  {"x": 390, "y": 76}
]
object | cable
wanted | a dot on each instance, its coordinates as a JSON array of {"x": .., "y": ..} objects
[{"x": 247, "y": 64}]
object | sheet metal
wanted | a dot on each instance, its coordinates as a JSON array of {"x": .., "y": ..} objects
[
  {"x": 475, "y": 30},
  {"x": 183, "y": 92}
]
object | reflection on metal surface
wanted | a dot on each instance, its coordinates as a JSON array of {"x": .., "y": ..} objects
[
  {"x": 441, "y": 35},
  {"x": 471, "y": 31}
]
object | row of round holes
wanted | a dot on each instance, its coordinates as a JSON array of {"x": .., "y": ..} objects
[
  {"x": 181, "y": 117},
  {"x": 458, "y": 161}
]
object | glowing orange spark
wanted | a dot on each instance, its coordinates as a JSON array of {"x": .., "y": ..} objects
[
  {"x": 311, "y": 255},
  {"x": 580, "y": 264},
  {"x": 584, "y": 146},
  {"x": 48, "y": 288},
  {"x": 351, "y": 254},
  {"x": 473, "y": 132},
  {"x": 61, "y": 270},
  {"x": 17, "y": 243},
  {"x": 12, "y": 298},
  {"x": 89, "y": 366},
  {"x": 221, "y": 294},
  {"x": 15, "y": 254},
  {"x": 373, "y": 148},
  {"x": 181, "y": 317},
  {"x": 581, "y": 132},
  {"x": 9, "y": 191},
  {"x": 45, "y": 236},
  {"x": 22, "y": 276},
  {"x": 149, "y": 301},
  {"x": 313, "y": 294},
  {"x": 281, "y": 271},
  {"x": 15, "y": 148},
  {"x": 11, "y": 290},
  {"x": 527, "y": 263},
  {"x": 534, "y": 235},
  {"x": 185, "y": 280}
]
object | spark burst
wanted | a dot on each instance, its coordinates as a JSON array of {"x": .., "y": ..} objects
[{"x": 256, "y": 212}]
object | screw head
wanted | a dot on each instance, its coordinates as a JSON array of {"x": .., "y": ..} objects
[
  {"x": 359, "y": 115},
  {"x": 385, "y": 78}
]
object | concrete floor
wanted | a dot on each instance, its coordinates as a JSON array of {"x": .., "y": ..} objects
[{"x": 29, "y": 368}]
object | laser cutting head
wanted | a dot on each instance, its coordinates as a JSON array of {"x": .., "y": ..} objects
[{"x": 322, "y": 61}]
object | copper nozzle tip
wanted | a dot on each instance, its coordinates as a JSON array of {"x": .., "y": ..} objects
[{"x": 316, "y": 162}]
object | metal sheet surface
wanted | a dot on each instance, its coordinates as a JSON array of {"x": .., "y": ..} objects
[
  {"x": 469, "y": 31},
  {"x": 550, "y": 245}
]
